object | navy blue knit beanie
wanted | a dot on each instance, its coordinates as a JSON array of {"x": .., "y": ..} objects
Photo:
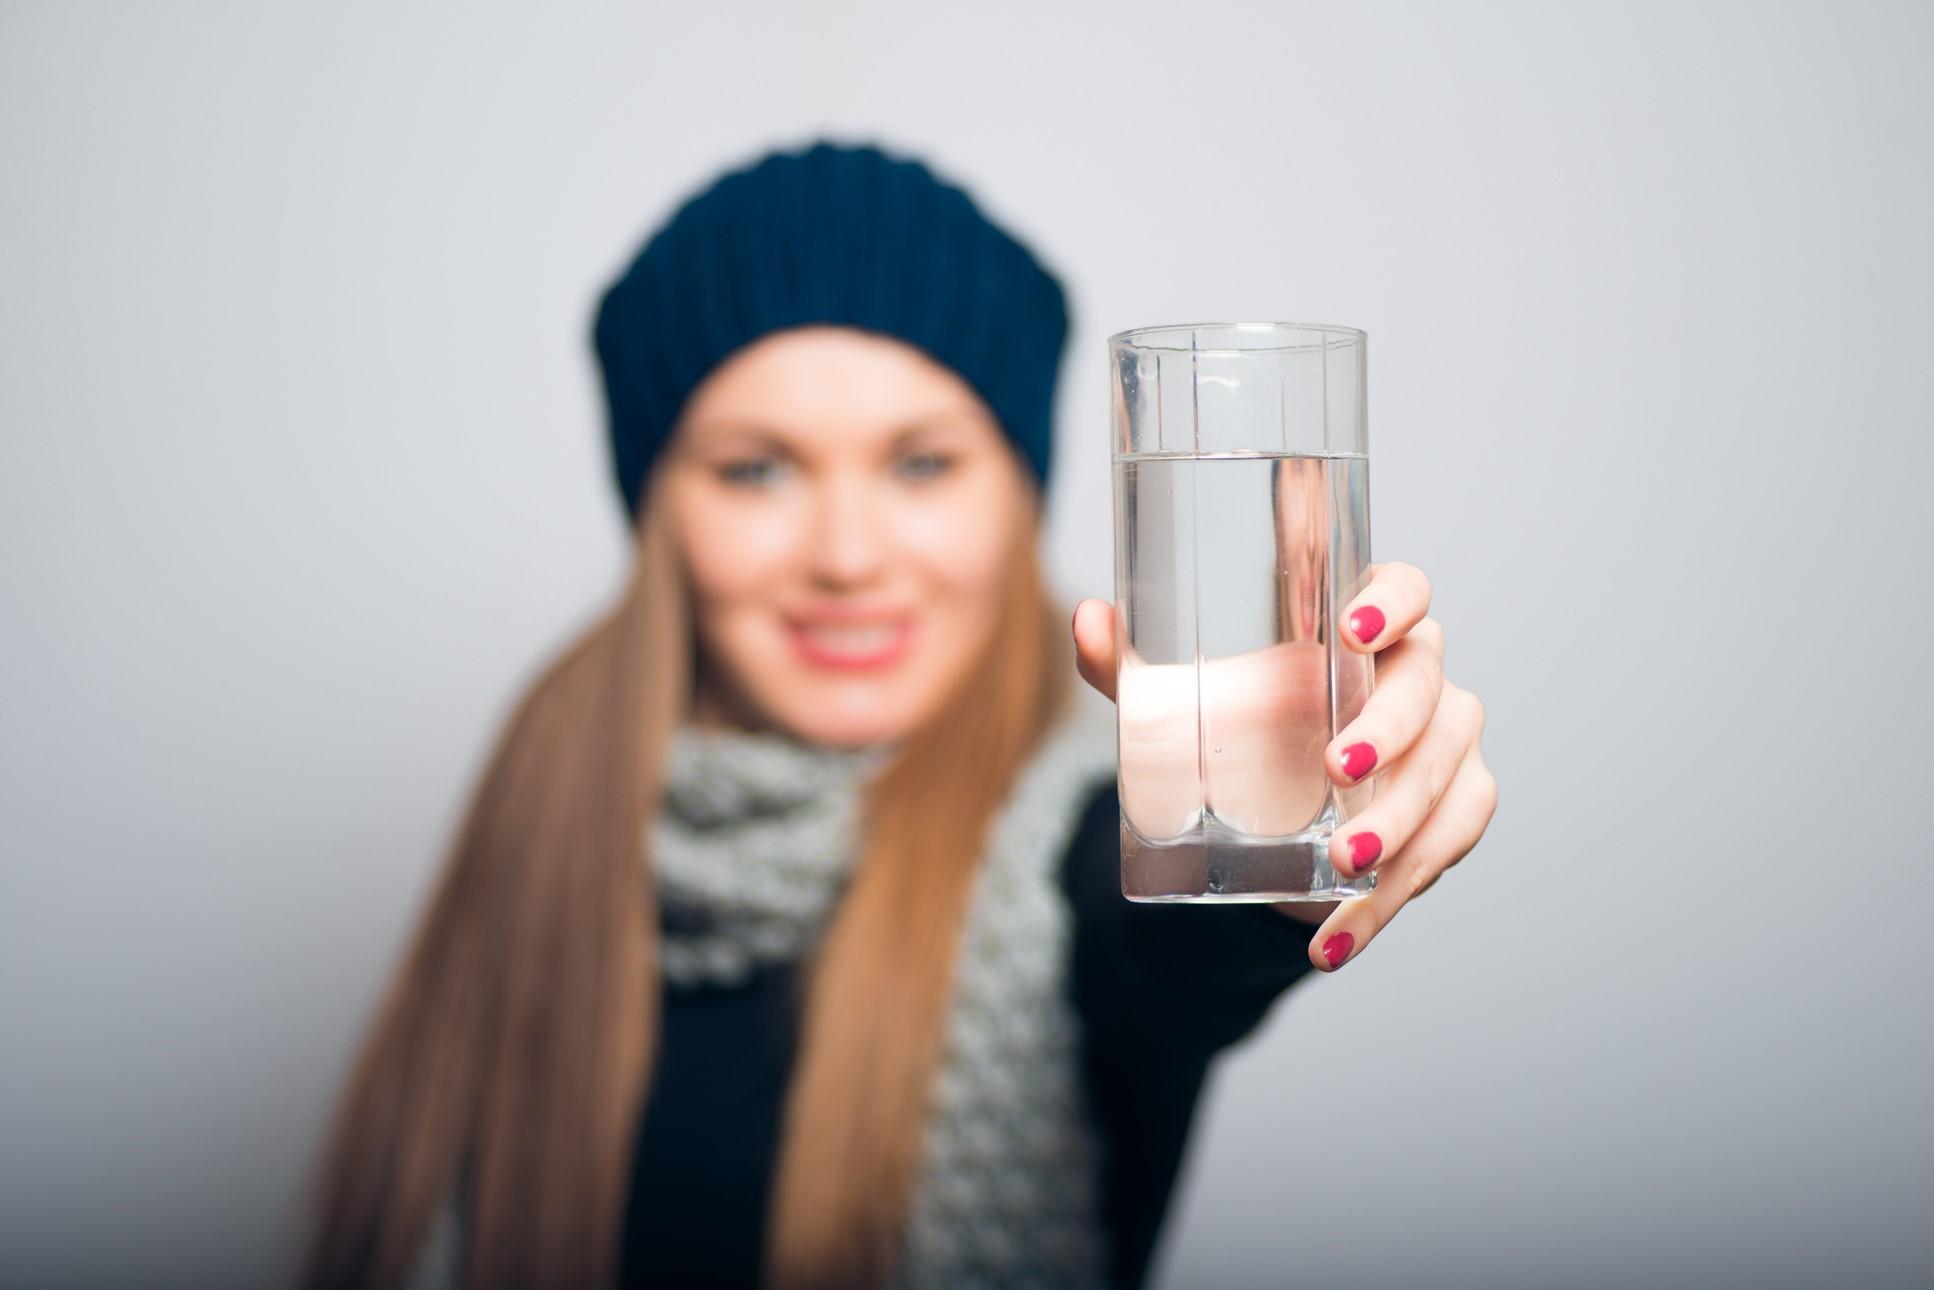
[{"x": 842, "y": 235}]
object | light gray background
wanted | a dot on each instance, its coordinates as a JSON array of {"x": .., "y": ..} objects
[{"x": 303, "y": 473}]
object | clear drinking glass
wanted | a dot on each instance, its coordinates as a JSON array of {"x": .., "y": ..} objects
[{"x": 1242, "y": 524}]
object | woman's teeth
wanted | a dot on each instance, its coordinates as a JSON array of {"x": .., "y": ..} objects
[{"x": 854, "y": 640}]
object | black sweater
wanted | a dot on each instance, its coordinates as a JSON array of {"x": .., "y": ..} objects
[{"x": 1160, "y": 989}]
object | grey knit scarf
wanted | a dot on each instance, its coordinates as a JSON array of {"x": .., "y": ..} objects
[{"x": 756, "y": 841}]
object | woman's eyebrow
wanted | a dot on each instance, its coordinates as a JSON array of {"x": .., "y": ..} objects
[
  {"x": 707, "y": 434},
  {"x": 939, "y": 422},
  {"x": 723, "y": 435}
]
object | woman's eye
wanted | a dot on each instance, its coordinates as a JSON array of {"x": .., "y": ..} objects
[
  {"x": 924, "y": 465},
  {"x": 753, "y": 472}
]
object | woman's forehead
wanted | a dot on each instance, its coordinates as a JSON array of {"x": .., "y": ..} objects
[{"x": 831, "y": 385}]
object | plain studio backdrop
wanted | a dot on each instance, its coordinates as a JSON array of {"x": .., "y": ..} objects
[{"x": 304, "y": 472}]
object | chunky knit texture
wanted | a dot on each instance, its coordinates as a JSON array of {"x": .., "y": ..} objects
[
  {"x": 838, "y": 235},
  {"x": 757, "y": 839},
  {"x": 751, "y": 850},
  {"x": 754, "y": 844}
]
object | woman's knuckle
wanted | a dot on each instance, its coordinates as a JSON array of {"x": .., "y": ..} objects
[
  {"x": 1472, "y": 709},
  {"x": 1487, "y": 792},
  {"x": 1430, "y": 632},
  {"x": 1421, "y": 879},
  {"x": 1439, "y": 768}
]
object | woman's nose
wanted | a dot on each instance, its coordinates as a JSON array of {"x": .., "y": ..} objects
[{"x": 846, "y": 548}]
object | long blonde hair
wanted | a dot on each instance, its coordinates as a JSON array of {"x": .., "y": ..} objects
[{"x": 513, "y": 1048}]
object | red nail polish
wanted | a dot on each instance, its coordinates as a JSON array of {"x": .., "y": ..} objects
[
  {"x": 1367, "y": 622},
  {"x": 1364, "y": 850},
  {"x": 1359, "y": 760},
  {"x": 1338, "y": 948}
]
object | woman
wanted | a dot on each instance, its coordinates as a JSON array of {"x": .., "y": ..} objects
[{"x": 783, "y": 941}]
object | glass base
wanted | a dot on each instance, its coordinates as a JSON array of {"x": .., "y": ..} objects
[{"x": 1218, "y": 866}]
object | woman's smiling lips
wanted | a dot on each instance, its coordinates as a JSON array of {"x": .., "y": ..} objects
[{"x": 850, "y": 642}]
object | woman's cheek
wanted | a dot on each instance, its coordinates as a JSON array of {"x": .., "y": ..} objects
[
  {"x": 962, "y": 567},
  {"x": 962, "y": 548},
  {"x": 738, "y": 550}
]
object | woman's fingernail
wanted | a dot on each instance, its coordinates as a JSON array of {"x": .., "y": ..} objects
[
  {"x": 1364, "y": 850},
  {"x": 1359, "y": 760},
  {"x": 1367, "y": 623},
  {"x": 1338, "y": 948}
]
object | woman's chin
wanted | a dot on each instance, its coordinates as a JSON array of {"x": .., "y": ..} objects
[
  {"x": 837, "y": 720},
  {"x": 852, "y": 733}
]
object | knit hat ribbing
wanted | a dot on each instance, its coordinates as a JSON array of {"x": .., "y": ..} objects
[{"x": 831, "y": 235}]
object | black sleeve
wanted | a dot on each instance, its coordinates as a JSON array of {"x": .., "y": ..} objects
[
  {"x": 1160, "y": 990},
  {"x": 1200, "y": 975}
]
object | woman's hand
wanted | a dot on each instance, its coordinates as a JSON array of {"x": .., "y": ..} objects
[{"x": 1418, "y": 733}]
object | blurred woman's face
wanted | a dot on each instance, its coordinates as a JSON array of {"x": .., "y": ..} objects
[{"x": 847, "y": 508}]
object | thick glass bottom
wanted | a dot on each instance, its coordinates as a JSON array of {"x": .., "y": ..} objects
[{"x": 1216, "y": 865}]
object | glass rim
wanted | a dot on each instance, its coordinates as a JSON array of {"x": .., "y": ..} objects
[{"x": 1331, "y": 333}]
